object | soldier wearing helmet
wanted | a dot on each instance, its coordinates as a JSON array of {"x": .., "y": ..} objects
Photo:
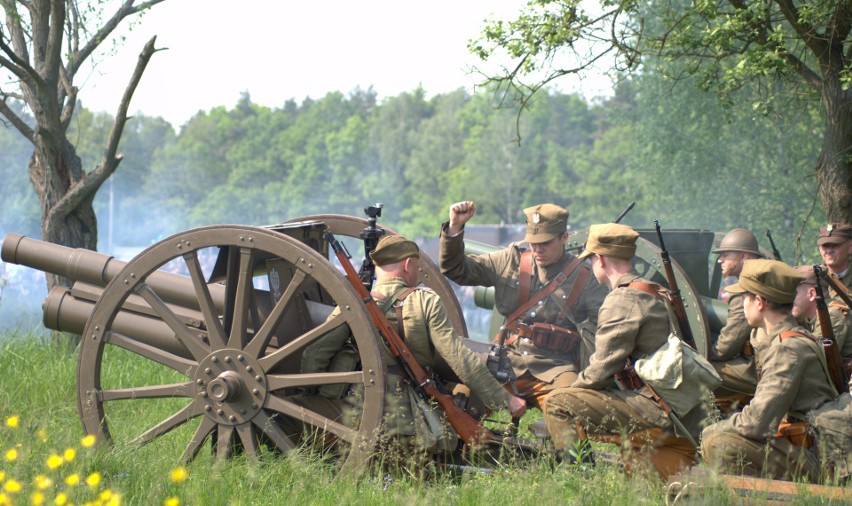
[{"x": 731, "y": 353}]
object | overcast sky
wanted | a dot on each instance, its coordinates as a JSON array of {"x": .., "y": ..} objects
[{"x": 282, "y": 49}]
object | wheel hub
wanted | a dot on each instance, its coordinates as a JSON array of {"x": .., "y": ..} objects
[{"x": 231, "y": 386}]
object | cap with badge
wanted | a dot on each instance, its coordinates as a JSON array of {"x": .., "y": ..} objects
[
  {"x": 611, "y": 240},
  {"x": 834, "y": 233},
  {"x": 545, "y": 222},
  {"x": 392, "y": 249},
  {"x": 771, "y": 279}
]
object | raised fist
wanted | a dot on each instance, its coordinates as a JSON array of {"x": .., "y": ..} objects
[{"x": 460, "y": 213}]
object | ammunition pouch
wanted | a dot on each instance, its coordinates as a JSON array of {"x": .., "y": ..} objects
[
  {"x": 551, "y": 337},
  {"x": 798, "y": 433},
  {"x": 628, "y": 379}
]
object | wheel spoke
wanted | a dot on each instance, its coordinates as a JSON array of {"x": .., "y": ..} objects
[
  {"x": 150, "y": 392},
  {"x": 205, "y": 428},
  {"x": 191, "y": 342},
  {"x": 215, "y": 331},
  {"x": 223, "y": 443},
  {"x": 246, "y": 433},
  {"x": 270, "y": 361},
  {"x": 179, "y": 364},
  {"x": 289, "y": 408},
  {"x": 237, "y": 338},
  {"x": 279, "y": 381},
  {"x": 258, "y": 344},
  {"x": 273, "y": 431},
  {"x": 189, "y": 412}
]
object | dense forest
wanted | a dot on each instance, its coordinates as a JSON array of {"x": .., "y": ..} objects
[{"x": 685, "y": 157}]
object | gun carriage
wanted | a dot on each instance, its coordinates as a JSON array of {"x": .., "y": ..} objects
[{"x": 220, "y": 316}]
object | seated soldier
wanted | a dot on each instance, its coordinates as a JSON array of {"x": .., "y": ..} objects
[
  {"x": 422, "y": 321},
  {"x": 633, "y": 323},
  {"x": 770, "y": 437}
]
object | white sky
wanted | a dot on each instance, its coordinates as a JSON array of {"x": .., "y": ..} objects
[{"x": 282, "y": 49}]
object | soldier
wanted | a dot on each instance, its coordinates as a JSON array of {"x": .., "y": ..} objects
[
  {"x": 633, "y": 323},
  {"x": 422, "y": 319},
  {"x": 543, "y": 361},
  {"x": 731, "y": 354},
  {"x": 805, "y": 312},
  {"x": 770, "y": 437},
  {"x": 835, "y": 247}
]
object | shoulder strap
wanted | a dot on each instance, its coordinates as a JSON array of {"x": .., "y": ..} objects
[
  {"x": 525, "y": 281},
  {"x": 649, "y": 288},
  {"x": 511, "y": 320},
  {"x": 391, "y": 301}
]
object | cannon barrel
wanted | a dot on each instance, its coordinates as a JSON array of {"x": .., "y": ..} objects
[{"x": 78, "y": 264}]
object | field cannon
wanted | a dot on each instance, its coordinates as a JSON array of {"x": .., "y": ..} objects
[{"x": 208, "y": 326}]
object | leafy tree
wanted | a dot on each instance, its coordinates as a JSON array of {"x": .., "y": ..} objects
[
  {"x": 726, "y": 44},
  {"x": 41, "y": 50}
]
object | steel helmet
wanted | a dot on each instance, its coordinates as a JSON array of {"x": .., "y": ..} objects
[{"x": 739, "y": 239}]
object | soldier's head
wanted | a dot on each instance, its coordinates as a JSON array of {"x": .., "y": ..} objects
[
  {"x": 394, "y": 255},
  {"x": 804, "y": 305},
  {"x": 769, "y": 288},
  {"x": 610, "y": 247},
  {"x": 547, "y": 232},
  {"x": 835, "y": 246},
  {"x": 736, "y": 247}
]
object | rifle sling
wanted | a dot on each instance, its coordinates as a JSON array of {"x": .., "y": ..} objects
[
  {"x": 387, "y": 302},
  {"x": 814, "y": 344}
]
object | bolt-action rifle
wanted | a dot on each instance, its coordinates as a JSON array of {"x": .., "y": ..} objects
[
  {"x": 832, "y": 353},
  {"x": 674, "y": 292},
  {"x": 468, "y": 429},
  {"x": 624, "y": 213},
  {"x": 370, "y": 235},
  {"x": 775, "y": 252}
]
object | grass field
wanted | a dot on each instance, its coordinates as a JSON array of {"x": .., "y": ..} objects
[{"x": 46, "y": 460}]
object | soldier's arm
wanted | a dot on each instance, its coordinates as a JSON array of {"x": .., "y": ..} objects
[
  {"x": 615, "y": 338},
  {"x": 734, "y": 334},
  {"x": 468, "y": 270},
  {"x": 317, "y": 357}
]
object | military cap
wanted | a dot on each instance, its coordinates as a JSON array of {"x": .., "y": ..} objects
[
  {"x": 834, "y": 233},
  {"x": 545, "y": 222},
  {"x": 771, "y": 279},
  {"x": 392, "y": 249},
  {"x": 611, "y": 240}
]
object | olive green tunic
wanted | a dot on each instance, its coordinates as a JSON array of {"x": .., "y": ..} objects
[
  {"x": 501, "y": 270},
  {"x": 725, "y": 354},
  {"x": 840, "y": 324},
  {"x": 428, "y": 332}
]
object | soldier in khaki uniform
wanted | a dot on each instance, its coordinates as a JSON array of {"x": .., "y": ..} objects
[
  {"x": 770, "y": 437},
  {"x": 518, "y": 275},
  {"x": 731, "y": 353},
  {"x": 427, "y": 332},
  {"x": 805, "y": 312},
  {"x": 632, "y": 324},
  {"x": 835, "y": 246}
]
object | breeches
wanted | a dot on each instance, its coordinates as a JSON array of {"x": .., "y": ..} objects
[{"x": 536, "y": 392}]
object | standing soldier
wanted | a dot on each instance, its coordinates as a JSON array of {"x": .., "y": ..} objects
[
  {"x": 633, "y": 324},
  {"x": 731, "y": 354},
  {"x": 770, "y": 437},
  {"x": 835, "y": 247},
  {"x": 550, "y": 357}
]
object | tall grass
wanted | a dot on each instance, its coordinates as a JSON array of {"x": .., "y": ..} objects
[{"x": 38, "y": 404}]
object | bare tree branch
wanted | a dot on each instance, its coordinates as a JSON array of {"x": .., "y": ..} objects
[{"x": 16, "y": 120}]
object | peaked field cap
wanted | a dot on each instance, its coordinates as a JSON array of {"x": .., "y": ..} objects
[
  {"x": 771, "y": 279},
  {"x": 834, "y": 233},
  {"x": 611, "y": 240},
  {"x": 392, "y": 249},
  {"x": 545, "y": 222}
]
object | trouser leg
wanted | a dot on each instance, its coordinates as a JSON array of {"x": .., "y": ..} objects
[
  {"x": 776, "y": 458},
  {"x": 536, "y": 392}
]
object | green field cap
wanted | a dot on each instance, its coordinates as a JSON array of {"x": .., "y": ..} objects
[
  {"x": 611, "y": 240},
  {"x": 834, "y": 233},
  {"x": 771, "y": 279},
  {"x": 545, "y": 222},
  {"x": 392, "y": 249}
]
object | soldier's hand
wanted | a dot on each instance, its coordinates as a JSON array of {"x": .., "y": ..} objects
[
  {"x": 460, "y": 213},
  {"x": 517, "y": 406}
]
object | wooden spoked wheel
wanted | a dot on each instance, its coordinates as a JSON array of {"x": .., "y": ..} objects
[{"x": 230, "y": 374}]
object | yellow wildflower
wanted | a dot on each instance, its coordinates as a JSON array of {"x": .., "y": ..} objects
[
  {"x": 2, "y": 476},
  {"x": 93, "y": 479},
  {"x": 42, "y": 435},
  {"x": 4, "y": 500},
  {"x": 69, "y": 454},
  {"x": 61, "y": 499},
  {"x": 42, "y": 482},
  {"x": 12, "y": 486},
  {"x": 37, "y": 498},
  {"x": 13, "y": 421},
  {"x": 178, "y": 474},
  {"x": 11, "y": 455},
  {"x": 171, "y": 501},
  {"x": 54, "y": 461},
  {"x": 88, "y": 441},
  {"x": 114, "y": 500},
  {"x": 72, "y": 480}
]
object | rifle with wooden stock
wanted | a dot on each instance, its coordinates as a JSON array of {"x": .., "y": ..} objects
[
  {"x": 829, "y": 342},
  {"x": 674, "y": 292},
  {"x": 775, "y": 252},
  {"x": 468, "y": 429}
]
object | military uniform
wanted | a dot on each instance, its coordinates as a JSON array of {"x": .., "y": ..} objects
[
  {"x": 427, "y": 333},
  {"x": 632, "y": 324},
  {"x": 792, "y": 381},
  {"x": 837, "y": 233},
  {"x": 502, "y": 270}
]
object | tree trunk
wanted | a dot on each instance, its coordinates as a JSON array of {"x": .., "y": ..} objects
[{"x": 834, "y": 167}]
